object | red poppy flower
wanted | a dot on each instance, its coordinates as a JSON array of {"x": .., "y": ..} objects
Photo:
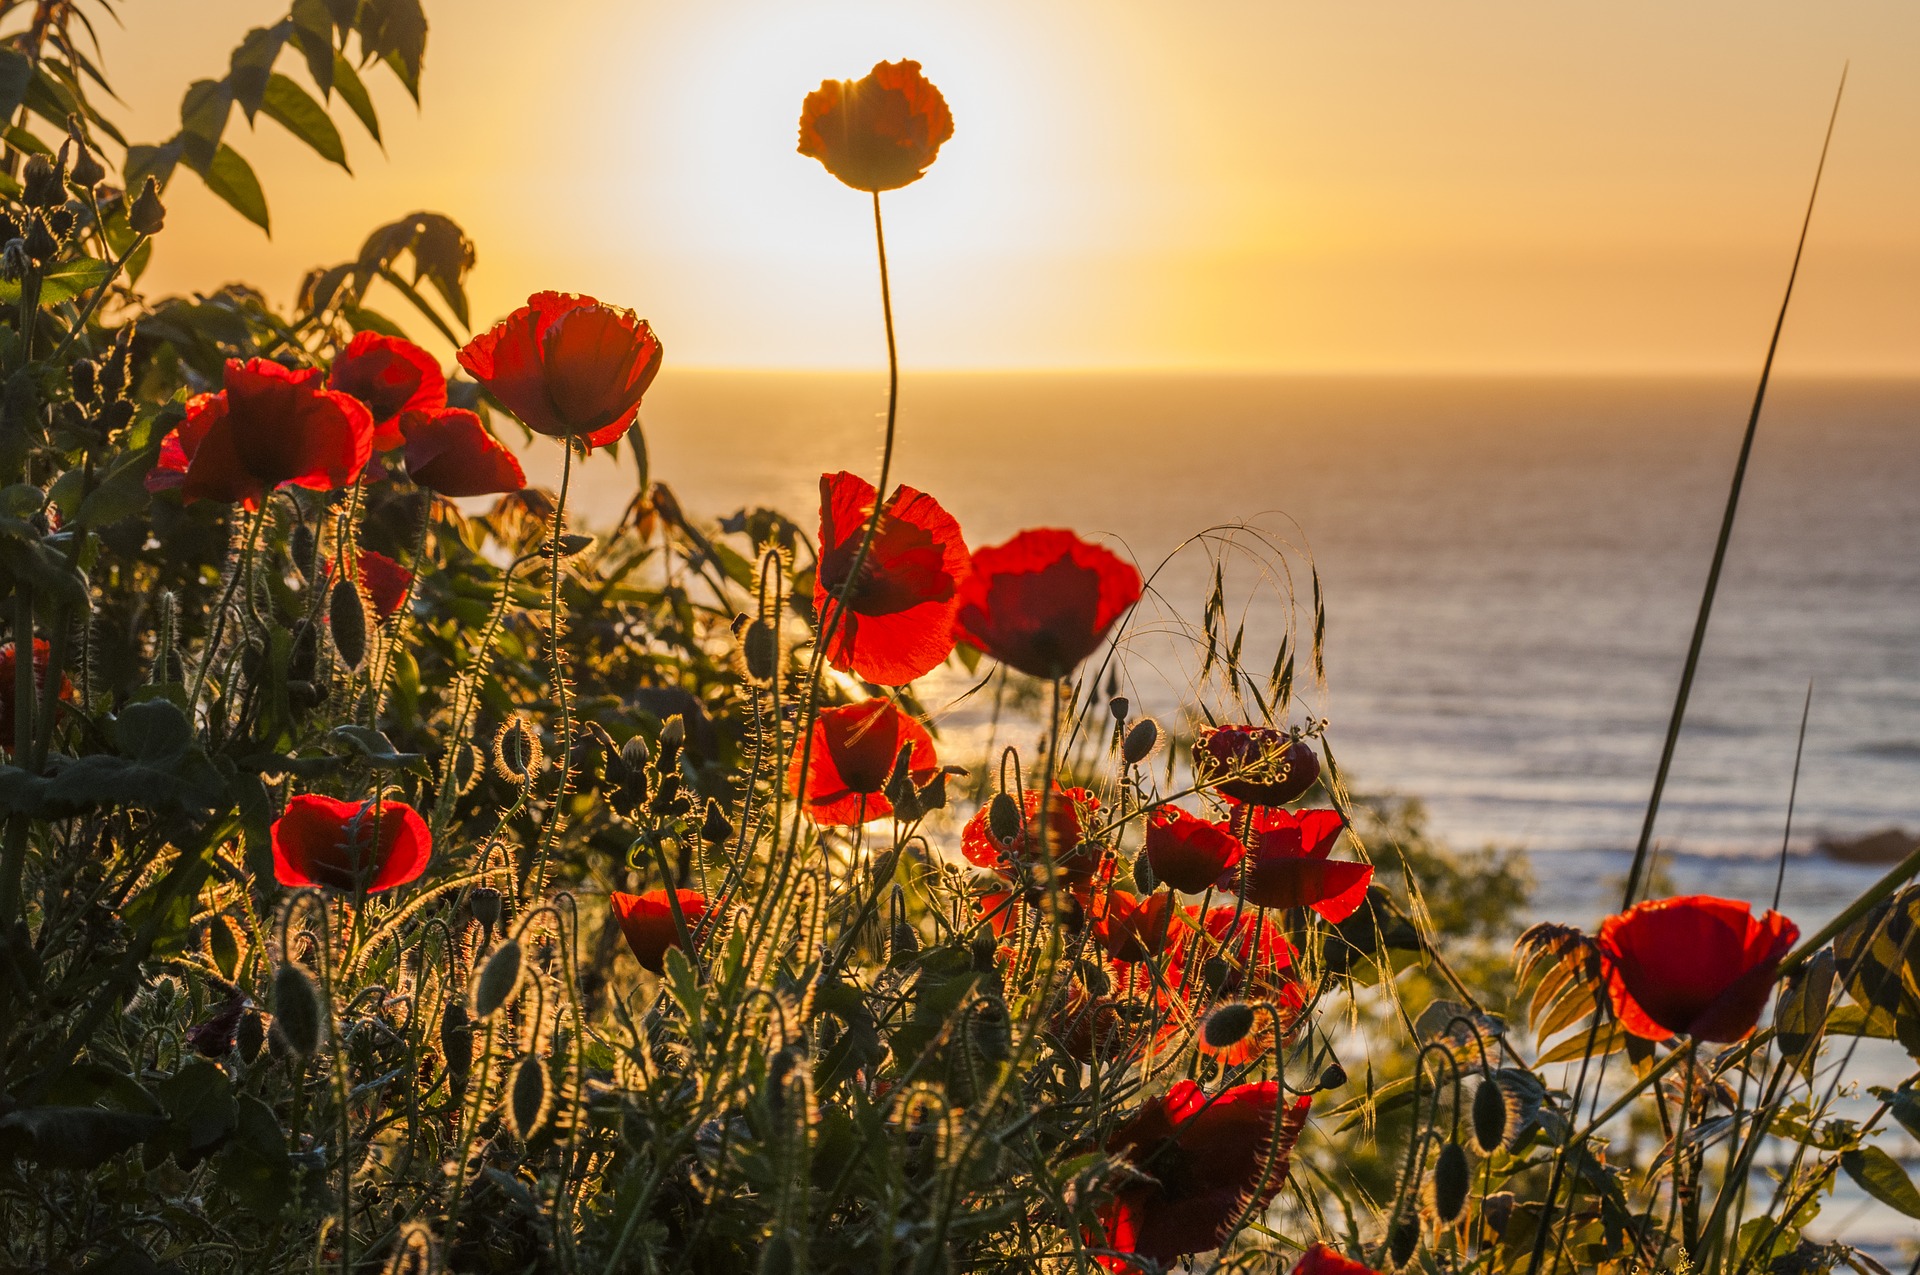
[
  {"x": 385, "y": 581},
  {"x": 1288, "y": 865},
  {"x": 1091, "y": 1028},
  {"x": 1199, "y": 1165},
  {"x": 449, "y": 451},
  {"x": 898, "y": 622},
  {"x": 1043, "y": 601},
  {"x": 879, "y": 132},
  {"x": 1322, "y": 1260},
  {"x": 270, "y": 426},
  {"x": 392, "y": 376},
  {"x": 1255, "y": 951},
  {"x": 567, "y": 366},
  {"x": 1187, "y": 852},
  {"x": 1694, "y": 966},
  {"x": 349, "y": 844},
  {"x": 1067, "y": 817},
  {"x": 1255, "y": 765},
  {"x": 854, "y": 747},
  {"x": 1129, "y": 927},
  {"x": 9, "y": 672},
  {"x": 647, "y": 921}
]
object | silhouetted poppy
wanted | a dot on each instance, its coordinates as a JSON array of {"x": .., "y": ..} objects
[
  {"x": 1043, "y": 601},
  {"x": 1199, "y": 1164},
  {"x": 1319, "y": 1259},
  {"x": 1287, "y": 865},
  {"x": 1695, "y": 966},
  {"x": 567, "y": 366},
  {"x": 898, "y": 622},
  {"x": 1067, "y": 816},
  {"x": 1129, "y": 927},
  {"x": 879, "y": 132},
  {"x": 270, "y": 426},
  {"x": 9, "y": 673},
  {"x": 1256, "y": 765},
  {"x": 1187, "y": 852},
  {"x": 392, "y": 376},
  {"x": 348, "y": 844},
  {"x": 854, "y": 747},
  {"x": 647, "y": 922},
  {"x": 449, "y": 451}
]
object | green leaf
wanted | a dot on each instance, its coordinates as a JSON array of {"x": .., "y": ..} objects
[
  {"x": 201, "y": 1114},
  {"x": 313, "y": 36},
  {"x": 1881, "y": 1176},
  {"x": 375, "y": 747},
  {"x": 294, "y": 109},
  {"x": 252, "y": 64},
  {"x": 121, "y": 494},
  {"x": 203, "y": 118},
  {"x": 254, "y": 1165},
  {"x": 157, "y": 162},
  {"x": 63, "y": 282},
  {"x": 154, "y": 731},
  {"x": 231, "y": 178},
  {"x": 16, "y": 73},
  {"x": 396, "y": 31},
  {"x": 347, "y": 81}
]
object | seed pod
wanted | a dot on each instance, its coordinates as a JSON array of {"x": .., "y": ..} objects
[
  {"x": 1451, "y": 1181},
  {"x": 1489, "y": 1117},
  {"x": 1119, "y": 707},
  {"x": 456, "y": 1039},
  {"x": 1143, "y": 878},
  {"x": 715, "y": 829},
  {"x": 1333, "y": 1076},
  {"x": 484, "y": 903},
  {"x": 1228, "y": 1025},
  {"x": 1404, "y": 1242},
  {"x": 41, "y": 184},
  {"x": 498, "y": 980},
  {"x": 1003, "y": 818},
  {"x": 147, "y": 215},
  {"x": 297, "y": 1014},
  {"x": 1142, "y": 738},
  {"x": 87, "y": 170},
  {"x": 530, "y": 1098},
  {"x": 517, "y": 752},
  {"x": 1215, "y": 973},
  {"x": 673, "y": 735},
  {"x": 251, "y": 1035},
  {"x": 347, "y": 616}
]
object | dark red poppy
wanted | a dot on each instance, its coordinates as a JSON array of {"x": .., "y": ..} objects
[
  {"x": 898, "y": 622},
  {"x": 1288, "y": 867},
  {"x": 879, "y": 132},
  {"x": 1187, "y": 852},
  {"x": 854, "y": 748},
  {"x": 1694, "y": 966},
  {"x": 567, "y": 366},
  {"x": 449, "y": 451},
  {"x": 1068, "y": 815},
  {"x": 1199, "y": 1165},
  {"x": 1043, "y": 601},
  {"x": 1091, "y": 1028},
  {"x": 9, "y": 673},
  {"x": 270, "y": 426},
  {"x": 385, "y": 581},
  {"x": 392, "y": 376},
  {"x": 1255, "y": 951},
  {"x": 1129, "y": 927},
  {"x": 1322, "y": 1260},
  {"x": 1256, "y": 765},
  {"x": 647, "y": 921},
  {"x": 348, "y": 844}
]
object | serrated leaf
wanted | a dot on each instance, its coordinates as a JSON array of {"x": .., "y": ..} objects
[
  {"x": 294, "y": 109},
  {"x": 1881, "y": 1176}
]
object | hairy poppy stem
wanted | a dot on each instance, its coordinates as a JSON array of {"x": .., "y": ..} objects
[{"x": 1699, "y": 639}]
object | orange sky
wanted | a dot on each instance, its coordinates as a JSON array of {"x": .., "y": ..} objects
[{"x": 1481, "y": 185}]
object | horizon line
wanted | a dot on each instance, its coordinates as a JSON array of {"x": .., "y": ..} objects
[{"x": 1411, "y": 371}]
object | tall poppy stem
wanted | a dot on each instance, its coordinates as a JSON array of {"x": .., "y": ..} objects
[{"x": 556, "y": 815}]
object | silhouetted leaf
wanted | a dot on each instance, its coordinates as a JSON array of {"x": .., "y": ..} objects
[
  {"x": 73, "y": 1137},
  {"x": 1881, "y": 1176},
  {"x": 231, "y": 177},
  {"x": 347, "y": 83},
  {"x": 294, "y": 109},
  {"x": 203, "y": 118},
  {"x": 252, "y": 64}
]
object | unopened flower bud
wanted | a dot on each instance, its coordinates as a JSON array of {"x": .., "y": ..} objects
[
  {"x": 1402, "y": 1244},
  {"x": 41, "y": 184},
  {"x": 760, "y": 651},
  {"x": 1141, "y": 740},
  {"x": 716, "y": 828},
  {"x": 484, "y": 903},
  {"x": 14, "y": 261},
  {"x": 499, "y": 979},
  {"x": 347, "y": 617},
  {"x": 1143, "y": 879},
  {"x": 1215, "y": 973},
  {"x": 84, "y": 376},
  {"x": 1451, "y": 1181},
  {"x": 87, "y": 171},
  {"x": 297, "y": 1017},
  {"x": 1228, "y": 1025},
  {"x": 673, "y": 735},
  {"x": 933, "y": 793},
  {"x": 903, "y": 944},
  {"x": 517, "y": 752},
  {"x": 456, "y": 1039},
  {"x": 1490, "y": 1116},
  {"x": 1003, "y": 818},
  {"x": 1333, "y": 1076},
  {"x": 148, "y": 215}
]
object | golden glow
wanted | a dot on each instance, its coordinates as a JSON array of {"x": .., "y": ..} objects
[{"x": 1390, "y": 186}]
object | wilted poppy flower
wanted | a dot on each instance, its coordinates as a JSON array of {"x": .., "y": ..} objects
[
  {"x": 1199, "y": 1165},
  {"x": 392, "y": 376},
  {"x": 349, "y": 844},
  {"x": 1043, "y": 601},
  {"x": 1187, "y": 852},
  {"x": 1287, "y": 866},
  {"x": 1319, "y": 1259},
  {"x": 1067, "y": 817},
  {"x": 898, "y": 621},
  {"x": 1131, "y": 928},
  {"x": 854, "y": 748},
  {"x": 1694, "y": 966},
  {"x": 9, "y": 673},
  {"x": 879, "y": 132},
  {"x": 1256, "y": 765},
  {"x": 567, "y": 366},
  {"x": 449, "y": 451},
  {"x": 270, "y": 426},
  {"x": 647, "y": 921}
]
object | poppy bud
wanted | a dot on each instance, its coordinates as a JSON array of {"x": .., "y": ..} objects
[
  {"x": 1403, "y": 1242},
  {"x": 982, "y": 951},
  {"x": 347, "y": 617},
  {"x": 59, "y": 222},
  {"x": 1228, "y": 1025},
  {"x": 147, "y": 216},
  {"x": 498, "y": 979},
  {"x": 83, "y": 376},
  {"x": 1140, "y": 742},
  {"x": 1119, "y": 707},
  {"x": 760, "y": 651},
  {"x": 1333, "y": 1076},
  {"x": 903, "y": 944},
  {"x": 666, "y": 798},
  {"x": 1489, "y": 1117},
  {"x": 484, "y": 903},
  {"x": 1215, "y": 973},
  {"x": 517, "y": 752},
  {"x": 300, "y": 548},
  {"x": 531, "y": 1098},
  {"x": 41, "y": 245},
  {"x": 1451, "y": 1180},
  {"x": 900, "y": 790},
  {"x": 634, "y": 753},
  {"x": 251, "y": 1035},
  {"x": 41, "y": 185},
  {"x": 1143, "y": 879},
  {"x": 715, "y": 829},
  {"x": 456, "y": 1039},
  {"x": 1003, "y": 818},
  {"x": 296, "y": 1010}
]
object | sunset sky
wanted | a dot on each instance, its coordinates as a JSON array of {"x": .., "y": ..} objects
[{"x": 1394, "y": 185}]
